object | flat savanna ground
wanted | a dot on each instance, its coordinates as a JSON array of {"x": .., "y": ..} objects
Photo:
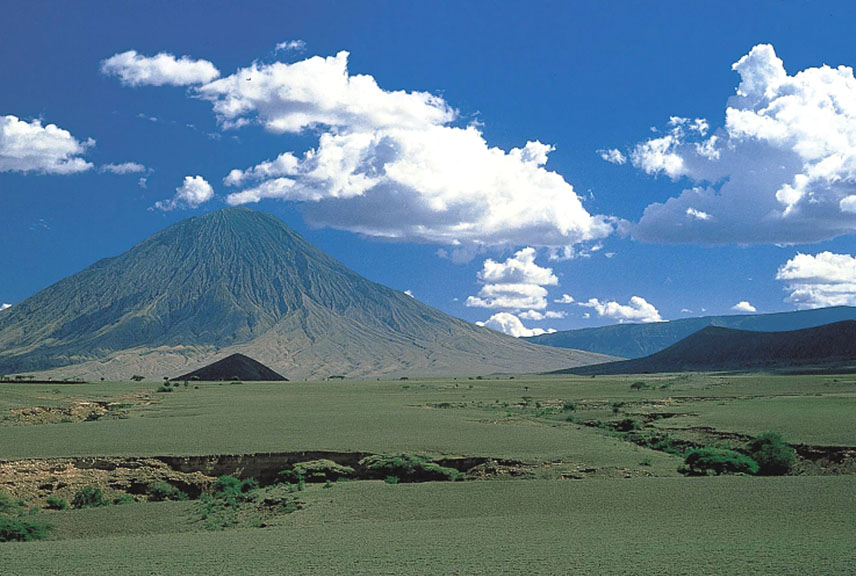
[{"x": 567, "y": 489}]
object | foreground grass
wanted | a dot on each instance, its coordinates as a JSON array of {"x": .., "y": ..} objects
[{"x": 734, "y": 525}]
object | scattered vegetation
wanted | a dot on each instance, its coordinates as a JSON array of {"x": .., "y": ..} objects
[{"x": 316, "y": 471}]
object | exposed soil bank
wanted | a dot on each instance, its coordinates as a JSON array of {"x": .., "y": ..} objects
[{"x": 35, "y": 480}]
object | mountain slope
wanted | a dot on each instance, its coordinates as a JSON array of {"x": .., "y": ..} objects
[
  {"x": 238, "y": 280},
  {"x": 638, "y": 340},
  {"x": 715, "y": 348}
]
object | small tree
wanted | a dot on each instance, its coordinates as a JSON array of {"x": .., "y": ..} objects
[
  {"x": 704, "y": 461},
  {"x": 137, "y": 378},
  {"x": 89, "y": 497},
  {"x": 773, "y": 455}
]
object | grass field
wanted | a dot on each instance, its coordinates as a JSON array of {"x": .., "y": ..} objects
[
  {"x": 643, "y": 526},
  {"x": 631, "y": 514}
]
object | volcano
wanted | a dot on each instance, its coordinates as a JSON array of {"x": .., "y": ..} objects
[{"x": 241, "y": 281}]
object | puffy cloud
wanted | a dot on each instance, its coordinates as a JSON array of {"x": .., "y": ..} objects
[
  {"x": 291, "y": 46},
  {"x": 613, "y": 156},
  {"x": 390, "y": 164},
  {"x": 637, "y": 310},
  {"x": 409, "y": 293},
  {"x": 521, "y": 269},
  {"x": 195, "y": 190},
  {"x": 143, "y": 183},
  {"x": 816, "y": 281},
  {"x": 3, "y": 306},
  {"x": 565, "y": 299},
  {"x": 781, "y": 170},
  {"x": 285, "y": 164},
  {"x": 744, "y": 306},
  {"x": 535, "y": 315},
  {"x": 318, "y": 92},
  {"x": 161, "y": 69},
  {"x": 511, "y": 325},
  {"x": 439, "y": 184},
  {"x": 517, "y": 283},
  {"x": 509, "y": 296},
  {"x": 123, "y": 168},
  {"x": 31, "y": 147}
]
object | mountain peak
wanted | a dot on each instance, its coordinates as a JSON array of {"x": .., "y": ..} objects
[{"x": 240, "y": 280}]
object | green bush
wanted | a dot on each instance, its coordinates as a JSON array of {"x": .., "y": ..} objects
[
  {"x": 164, "y": 388},
  {"x": 569, "y": 406},
  {"x": 89, "y": 497},
  {"x": 21, "y": 529},
  {"x": 408, "y": 467},
  {"x": 316, "y": 471},
  {"x": 639, "y": 386},
  {"x": 161, "y": 491},
  {"x": 232, "y": 490},
  {"x": 10, "y": 505},
  {"x": 773, "y": 455},
  {"x": 391, "y": 479},
  {"x": 123, "y": 499},
  {"x": 705, "y": 461},
  {"x": 56, "y": 503},
  {"x": 626, "y": 425}
]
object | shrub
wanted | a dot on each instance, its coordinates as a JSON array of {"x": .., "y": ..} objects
[
  {"x": 232, "y": 490},
  {"x": 704, "y": 461},
  {"x": 123, "y": 499},
  {"x": 391, "y": 479},
  {"x": 164, "y": 388},
  {"x": 408, "y": 467},
  {"x": 161, "y": 491},
  {"x": 569, "y": 406},
  {"x": 639, "y": 386},
  {"x": 56, "y": 503},
  {"x": 9, "y": 504},
  {"x": 627, "y": 425},
  {"x": 21, "y": 529},
  {"x": 773, "y": 455},
  {"x": 89, "y": 497},
  {"x": 316, "y": 471}
]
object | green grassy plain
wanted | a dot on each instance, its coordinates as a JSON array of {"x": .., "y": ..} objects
[
  {"x": 655, "y": 522},
  {"x": 642, "y": 526}
]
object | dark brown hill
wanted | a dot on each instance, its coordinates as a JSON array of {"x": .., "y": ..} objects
[
  {"x": 717, "y": 349},
  {"x": 234, "y": 367}
]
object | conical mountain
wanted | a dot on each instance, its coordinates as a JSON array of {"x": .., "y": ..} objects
[{"x": 238, "y": 280}]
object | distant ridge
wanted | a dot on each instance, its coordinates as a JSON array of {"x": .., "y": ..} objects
[
  {"x": 638, "y": 340},
  {"x": 724, "y": 349},
  {"x": 241, "y": 281},
  {"x": 234, "y": 367}
]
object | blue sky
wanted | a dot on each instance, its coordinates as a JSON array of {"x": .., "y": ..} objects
[{"x": 409, "y": 159}]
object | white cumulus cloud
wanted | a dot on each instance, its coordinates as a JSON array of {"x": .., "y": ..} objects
[
  {"x": 782, "y": 169},
  {"x": 31, "y": 147},
  {"x": 195, "y": 190},
  {"x": 637, "y": 310},
  {"x": 744, "y": 306},
  {"x": 565, "y": 299},
  {"x": 392, "y": 163},
  {"x": 509, "y": 296},
  {"x": 510, "y": 324},
  {"x": 820, "y": 280},
  {"x": 516, "y": 284},
  {"x": 4, "y": 306},
  {"x": 134, "y": 69},
  {"x": 536, "y": 315}
]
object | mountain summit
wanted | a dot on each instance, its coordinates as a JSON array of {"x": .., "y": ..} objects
[{"x": 239, "y": 280}]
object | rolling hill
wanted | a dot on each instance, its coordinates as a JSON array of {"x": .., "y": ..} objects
[
  {"x": 241, "y": 281},
  {"x": 715, "y": 349},
  {"x": 638, "y": 340}
]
